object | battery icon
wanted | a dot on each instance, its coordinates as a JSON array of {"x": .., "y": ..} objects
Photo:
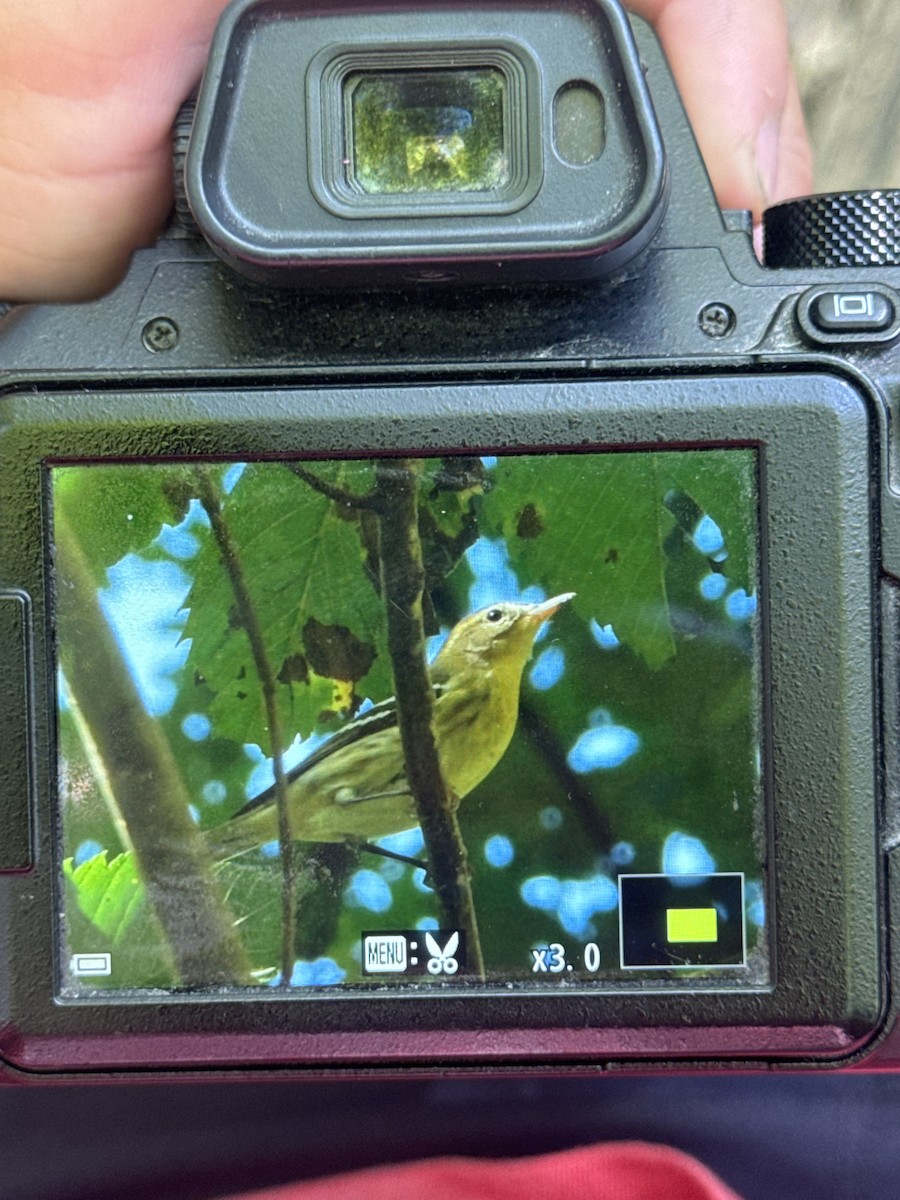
[
  {"x": 692, "y": 925},
  {"x": 674, "y": 922},
  {"x": 91, "y": 964}
]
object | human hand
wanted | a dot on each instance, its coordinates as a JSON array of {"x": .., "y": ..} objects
[
  {"x": 731, "y": 61},
  {"x": 89, "y": 90}
]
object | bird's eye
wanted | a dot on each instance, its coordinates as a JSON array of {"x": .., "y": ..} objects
[{"x": 494, "y": 614}]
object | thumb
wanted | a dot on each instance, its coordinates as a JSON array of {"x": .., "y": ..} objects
[{"x": 732, "y": 64}]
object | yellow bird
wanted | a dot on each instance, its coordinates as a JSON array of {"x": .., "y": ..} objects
[{"x": 354, "y": 786}]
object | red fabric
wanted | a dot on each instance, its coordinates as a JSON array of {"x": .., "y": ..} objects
[{"x": 617, "y": 1171}]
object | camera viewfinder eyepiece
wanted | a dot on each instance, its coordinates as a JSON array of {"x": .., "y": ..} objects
[{"x": 358, "y": 146}]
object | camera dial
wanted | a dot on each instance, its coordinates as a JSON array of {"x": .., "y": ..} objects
[{"x": 836, "y": 229}]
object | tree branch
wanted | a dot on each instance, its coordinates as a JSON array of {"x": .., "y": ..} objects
[
  {"x": 338, "y": 494},
  {"x": 146, "y": 784},
  {"x": 402, "y": 581},
  {"x": 594, "y": 822}
]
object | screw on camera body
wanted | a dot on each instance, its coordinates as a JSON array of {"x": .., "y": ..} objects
[
  {"x": 717, "y": 320},
  {"x": 160, "y": 334}
]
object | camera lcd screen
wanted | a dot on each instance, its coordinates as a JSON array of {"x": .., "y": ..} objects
[{"x": 593, "y": 646}]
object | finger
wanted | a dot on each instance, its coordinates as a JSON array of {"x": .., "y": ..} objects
[
  {"x": 85, "y": 120},
  {"x": 84, "y": 134},
  {"x": 731, "y": 61}
]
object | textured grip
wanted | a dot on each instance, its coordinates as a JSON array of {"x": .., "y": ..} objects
[{"x": 840, "y": 229}]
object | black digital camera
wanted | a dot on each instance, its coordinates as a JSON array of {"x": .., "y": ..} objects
[{"x": 459, "y": 630}]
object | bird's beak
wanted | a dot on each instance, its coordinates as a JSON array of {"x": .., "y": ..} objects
[{"x": 545, "y": 610}]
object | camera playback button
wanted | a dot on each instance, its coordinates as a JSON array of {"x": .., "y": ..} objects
[
  {"x": 868, "y": 313},
  {"x": 851, "y": 312}
]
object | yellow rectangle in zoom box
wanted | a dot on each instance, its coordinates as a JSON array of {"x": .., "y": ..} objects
[{"x": 692, "y": 925}]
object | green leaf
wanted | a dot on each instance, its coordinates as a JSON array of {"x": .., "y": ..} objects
[
  {"x": 597, "y": 531},
  {"x": 312, "y": 592},
  {"x": 727, "y": 496},
  {"x": 110, "y": 894},
  {"x": 601, "y": 530},
  {"x": 118, "y": 510}
]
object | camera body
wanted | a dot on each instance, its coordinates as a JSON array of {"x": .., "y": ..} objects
[{"x": 684, "y": 855}]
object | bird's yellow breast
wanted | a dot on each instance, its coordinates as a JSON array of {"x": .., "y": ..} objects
[{"x": 474, "y": 724}]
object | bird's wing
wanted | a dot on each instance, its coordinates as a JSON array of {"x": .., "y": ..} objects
[{"x": 380, "y": 716}]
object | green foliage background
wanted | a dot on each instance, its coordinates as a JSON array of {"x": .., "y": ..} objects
[{"x": 614, "y": 528}]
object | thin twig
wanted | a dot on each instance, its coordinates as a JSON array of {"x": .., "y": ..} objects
[
  {"x": 331, "y": 491},
  {"x": 594, "y": 822},
  {"x": 228, "y": 552}
]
